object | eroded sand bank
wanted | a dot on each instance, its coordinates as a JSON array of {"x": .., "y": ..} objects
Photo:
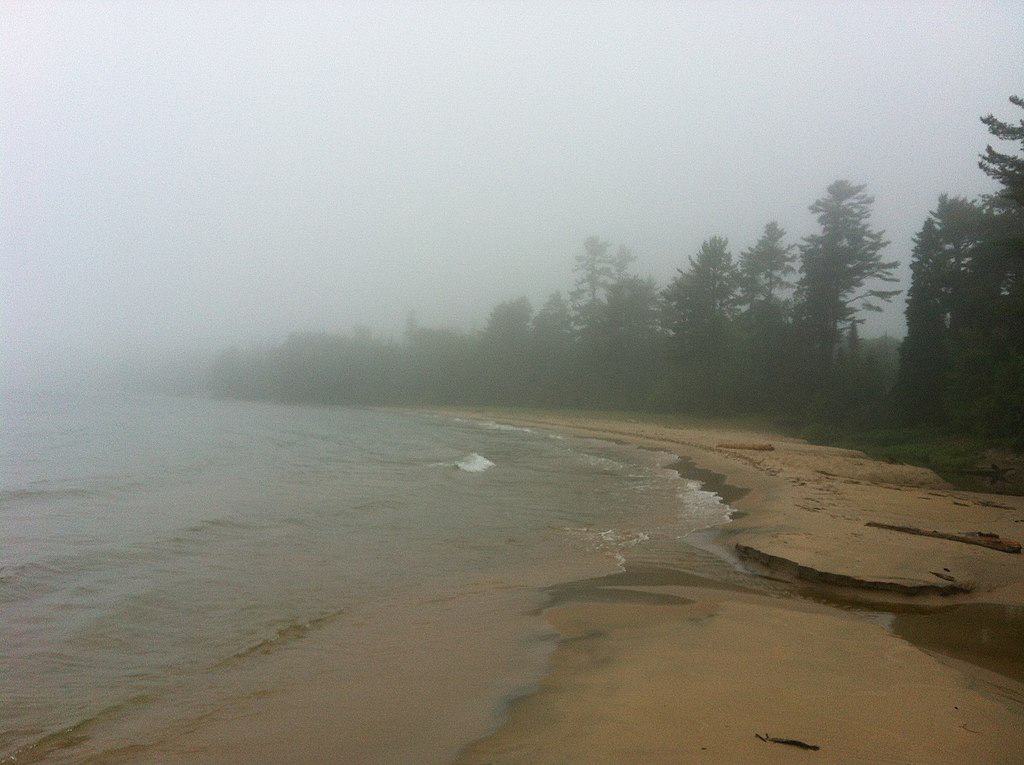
[{"x": 695, "y": 674}]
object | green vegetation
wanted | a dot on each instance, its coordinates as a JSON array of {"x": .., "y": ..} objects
[
  {"x": 953, "y": 457},
  {"x": 770, "y": 335}
]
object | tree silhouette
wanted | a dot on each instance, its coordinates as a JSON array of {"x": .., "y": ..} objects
[{"x": 837, "y": 266}]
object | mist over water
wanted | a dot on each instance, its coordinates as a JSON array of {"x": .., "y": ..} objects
[{"x": 166, "y": 559}]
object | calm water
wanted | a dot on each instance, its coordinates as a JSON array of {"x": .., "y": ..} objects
[{"x": 195, "y": 579}]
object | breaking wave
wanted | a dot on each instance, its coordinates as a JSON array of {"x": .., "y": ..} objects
[
  {"x": 474, "y": 463},
  {"x": 490, "y": 425}
]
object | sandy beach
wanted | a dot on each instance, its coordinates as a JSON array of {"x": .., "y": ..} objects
[{"x": 878, "y": 645}]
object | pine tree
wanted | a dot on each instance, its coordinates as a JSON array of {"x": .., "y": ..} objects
[
  {"x": 622, "y": 341},
  {"x": 700, "y": 301},
  {"x": 924, "y": 353},
  {"x": 764, "y": 268},
  {"x": 1006, "y": 168},
  {"x": 552, "y": 324},
  {"x": 597, "y": 267},
  {"x": 552, "y": 352},
  {"x": 837, "y": 266},
  {"x": 699, "y": 306},
  {"x": 986, "y": 318}
]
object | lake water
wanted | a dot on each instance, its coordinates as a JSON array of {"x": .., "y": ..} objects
[{"x": 216, "y": 580}]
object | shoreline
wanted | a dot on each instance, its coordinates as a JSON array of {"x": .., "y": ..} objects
[
  {"x": 807, "y": 506},
  {"x": 865, "y": 654}
]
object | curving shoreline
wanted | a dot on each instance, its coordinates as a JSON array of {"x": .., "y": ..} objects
[
  {"x": 693, "y": 676},
  {"x": 807, "y": 506}
]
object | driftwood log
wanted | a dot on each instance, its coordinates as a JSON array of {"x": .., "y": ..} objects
[
  {"x": 748, "y": 447},
  {"x": 980, "y": 538},
  {"x": 788, "y": 742}
]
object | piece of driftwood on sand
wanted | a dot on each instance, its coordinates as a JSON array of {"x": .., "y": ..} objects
[
  {"x": 752, "y": 447},
  {"x": 980, "y": 538},
  {"x": 788, "y": 742}
]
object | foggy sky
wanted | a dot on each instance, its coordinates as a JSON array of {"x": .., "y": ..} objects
[{"x": 190, "y": 176}]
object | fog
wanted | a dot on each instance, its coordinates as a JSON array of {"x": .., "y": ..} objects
[{"x": 180, "y": 178}]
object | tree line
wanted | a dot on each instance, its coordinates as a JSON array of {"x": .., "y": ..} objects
[{"x": 772, "y": 330}]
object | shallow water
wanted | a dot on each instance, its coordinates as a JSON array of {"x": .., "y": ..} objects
[{"x": 184, "y": 578}]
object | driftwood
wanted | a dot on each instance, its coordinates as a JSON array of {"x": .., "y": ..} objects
[
  {"x": 980, "y": 538},
  {"x": 788, "y": 742},
  {"x": 990, "y": 503},
  {"x": 748, "y": 447}
]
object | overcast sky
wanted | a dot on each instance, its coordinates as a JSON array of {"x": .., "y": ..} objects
[{"x": 178, "y": 175}]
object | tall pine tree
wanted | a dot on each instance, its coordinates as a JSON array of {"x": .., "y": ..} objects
[
  {"x": 1008, "y": 169},
  {"x": 924, "y": 354},
  {"x": 837, "y": 269},
  {"x": 765, "y": 268},
  {"x": 699, "y": 306}
]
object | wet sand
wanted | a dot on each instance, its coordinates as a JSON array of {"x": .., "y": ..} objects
[{"x": 863, "y": 652}]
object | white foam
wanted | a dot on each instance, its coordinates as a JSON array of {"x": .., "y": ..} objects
[
  {"x": 603, "y": 463},
  {"x": 502, "y": 426},
  {"x": 474, "y": 463},
  {"x": 703, "y": 507},
  {"x": 621, "y": 539}
]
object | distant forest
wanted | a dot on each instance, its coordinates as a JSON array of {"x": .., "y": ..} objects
[{"x": 771, "y": 331}]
